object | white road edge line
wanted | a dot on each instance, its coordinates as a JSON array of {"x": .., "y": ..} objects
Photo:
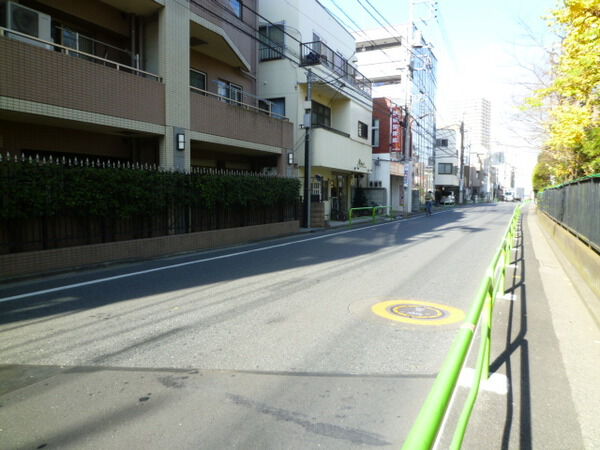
[{"x": 197, "y": 261}]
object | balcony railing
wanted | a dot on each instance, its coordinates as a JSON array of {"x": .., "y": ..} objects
[
  {"x": 316, "y": 52},
  {"x": 246, "y": 101},
  {"x": 78, "y": 53}
]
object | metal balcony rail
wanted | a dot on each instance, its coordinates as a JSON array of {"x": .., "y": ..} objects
[
  {"x": 316, "y": 52},
  {"x": 270, "y": 53},
  {"x": 84, "y": 55},
  {"x": 430, "y": 420},
  {"x": 78, "y": 41},
  {"x": 263, "y": 109}
]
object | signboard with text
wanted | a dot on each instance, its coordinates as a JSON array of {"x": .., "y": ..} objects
[{"x": 395, "y": 144}]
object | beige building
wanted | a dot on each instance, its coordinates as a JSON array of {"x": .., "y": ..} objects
[
  {"x": 302, "y": 35},
  {"x": 166, "y": 82}
]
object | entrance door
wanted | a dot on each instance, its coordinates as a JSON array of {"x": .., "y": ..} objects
[{"x": 339, "y": 197}]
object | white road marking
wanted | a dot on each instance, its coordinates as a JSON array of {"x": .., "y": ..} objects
[
  {"x": 197, "y": 261},
  {"x": 497, "y": 382}
]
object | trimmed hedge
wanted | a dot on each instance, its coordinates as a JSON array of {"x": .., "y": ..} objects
[{"x": 33, "y": 189}]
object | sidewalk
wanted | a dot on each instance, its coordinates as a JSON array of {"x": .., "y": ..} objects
[{"x": 546, "y": 341}]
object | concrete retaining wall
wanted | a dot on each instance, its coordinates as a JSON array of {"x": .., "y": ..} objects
[
  {"x": 40, "y": 262},
  {"x": 583, "y": 258}
]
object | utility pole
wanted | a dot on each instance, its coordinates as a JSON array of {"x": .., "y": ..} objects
[
  {"x": 461, "y": 183},
  {"x": 307, "y": 168},
  {"x": 408, "y": 177}
]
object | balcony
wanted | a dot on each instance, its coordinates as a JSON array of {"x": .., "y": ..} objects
[
  {"x": 336, "y": 150},
  {"x": 239, "y": 116},
  {"x": 317, "y": 53},
  {"x": 47, "y": 73}
]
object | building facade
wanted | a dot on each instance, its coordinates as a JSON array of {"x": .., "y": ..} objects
[
  {"x": 162, "y": 82},
  {"x": 299, "y": 36},
  {"x": 404, "y": 71},
  {"x": 475, "y": 114}
]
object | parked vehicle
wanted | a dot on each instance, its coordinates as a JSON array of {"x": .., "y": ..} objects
[{"x": 448, "y": 199}]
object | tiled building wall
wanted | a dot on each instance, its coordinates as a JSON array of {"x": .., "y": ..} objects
[
  {"x": 248, "y": 23},
  {"x": 48, "y": 77},
  {"x": 212, "y": 116}
]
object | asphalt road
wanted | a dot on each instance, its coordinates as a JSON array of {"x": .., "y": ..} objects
[{"x": 270, "y": 345}]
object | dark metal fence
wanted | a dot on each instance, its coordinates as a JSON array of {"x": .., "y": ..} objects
[
  {"x": 576, "y": 205},
  {"x": 68, "y": 227},
  {"x": 315, "y": 53}
]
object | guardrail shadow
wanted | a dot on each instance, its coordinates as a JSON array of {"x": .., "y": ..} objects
[{"x": 516, "y": 364}]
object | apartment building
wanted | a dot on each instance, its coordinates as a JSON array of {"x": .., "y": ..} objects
[
  {"x": 403, "y": 70},
  {"x": 163, "y": 82},
  {"x": 302, "y": 35},
  {"x": 448, "y": 170}
]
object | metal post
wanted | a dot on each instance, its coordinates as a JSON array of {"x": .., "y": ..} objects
[
  {"x": 407, "y": 207},
  {"x": 307, "y": 174},
  {"x": 461, "y": 191}
]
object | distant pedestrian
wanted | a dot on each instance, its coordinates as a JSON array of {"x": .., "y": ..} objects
[{"x": 428, "y": 202}]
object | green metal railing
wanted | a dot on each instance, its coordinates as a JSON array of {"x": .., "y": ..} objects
[
  {"x": 429, "y": 421},
  {"x": 373, "y": 208}
]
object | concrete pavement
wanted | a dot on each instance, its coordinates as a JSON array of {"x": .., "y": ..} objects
[{"x": 547, "y": 343}]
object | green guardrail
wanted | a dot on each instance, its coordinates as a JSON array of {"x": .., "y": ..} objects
[
  {"x": 427, "y": 426},
  {"x": 373, "y": 208}
]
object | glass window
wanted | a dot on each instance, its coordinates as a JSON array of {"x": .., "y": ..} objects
[
  {"x": 229, "y": 92},
  {"x": 272, "y": 41},
  {"x": 445, "y": 168},
  {"x": 363, "y": 130},
  {"x": 375, "y": 133},
  {"x": 236, "y": 93},
  {"x": 275, "y": 105},
  {"x": 198, "y": 79},
  {"x": 321, "y": 115},
  {"x": 236, "y": 7}
]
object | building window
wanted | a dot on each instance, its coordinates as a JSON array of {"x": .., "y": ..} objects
[
  {"x": 236, "y": 7},
  {"x": 375, "y": 133},
  {"x": 272, "y": 42},
  {"x": 321, "y": 115},
  {"x": 363, "y": 130},
  {"x": 445, "y": 168},
  {"x": 441, "y": 142},
  {"x": 198, "y": 79},
  {"x": 276, "y": 106},
  {"x": 230, "y": 93}
]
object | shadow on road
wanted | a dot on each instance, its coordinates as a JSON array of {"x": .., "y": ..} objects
[{"x": 193, "y": 273}]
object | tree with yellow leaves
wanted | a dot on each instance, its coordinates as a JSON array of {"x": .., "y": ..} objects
[{"x": 573, "y": 98}]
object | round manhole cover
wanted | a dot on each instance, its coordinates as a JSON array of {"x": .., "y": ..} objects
[{"x": 418, "y": 312}]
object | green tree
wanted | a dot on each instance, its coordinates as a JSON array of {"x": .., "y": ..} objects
[{"x": 573, "y": 97}]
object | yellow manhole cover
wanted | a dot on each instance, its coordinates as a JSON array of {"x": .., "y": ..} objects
[{"x": 418, "y": 312}]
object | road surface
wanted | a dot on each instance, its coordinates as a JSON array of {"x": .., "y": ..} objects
[{"x": 270, "y": 345}]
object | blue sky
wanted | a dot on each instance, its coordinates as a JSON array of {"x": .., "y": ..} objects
[{"x": 483, "y": 49}]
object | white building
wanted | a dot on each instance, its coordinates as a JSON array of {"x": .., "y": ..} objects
[
  {"x": 301, "y": 35},
  {"x": 447, "y": 158},
  {"x": 475, "y": 113},
  {"x": 403, "y": 72}
]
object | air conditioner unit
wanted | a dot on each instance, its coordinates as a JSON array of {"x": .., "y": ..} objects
[{"x": 25, "y": 20}]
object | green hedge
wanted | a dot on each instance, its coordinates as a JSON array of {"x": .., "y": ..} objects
[{"x": 30, "y": 189}]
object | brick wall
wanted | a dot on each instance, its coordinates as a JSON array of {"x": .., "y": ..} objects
[
  {"x": 40, "y": 262},
  {"x": 44, "y": 76}
]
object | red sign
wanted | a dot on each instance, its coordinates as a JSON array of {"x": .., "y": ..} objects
[{"x": 396, "y": 127}]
